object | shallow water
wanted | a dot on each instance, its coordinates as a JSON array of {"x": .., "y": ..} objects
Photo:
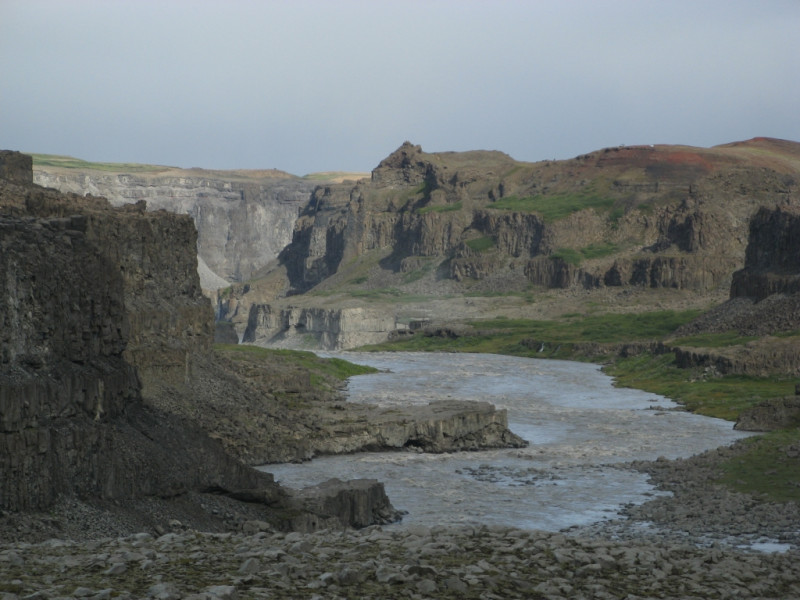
[{"x": 579, "y": 427}]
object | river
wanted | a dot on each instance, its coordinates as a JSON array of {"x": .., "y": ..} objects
[{"x": 580, "y": 428}]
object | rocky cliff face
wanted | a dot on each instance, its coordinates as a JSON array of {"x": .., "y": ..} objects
[
  {"x": 328, "y": 329},
  {"x": 772, "y": 260},
  {"x": 243, "y": 219},
  {"x": 84, "y": 322},
  {"x": 663, "y": 216},
  {"x": 101, "y": 313},
  {"x": 764, "y": 303}
]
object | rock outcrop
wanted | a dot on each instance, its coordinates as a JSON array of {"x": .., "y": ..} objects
[
  {"x": 95, "y": 304},
  {"x": 663, "y": 216},
  {"x": 764, "y": 303},
  {"x": 442, "y": 426},
  {"x": 328, "y": 329},
  {"x": 772, "y": 260},
  {"x": 771, "y": 415},
  {"x": 101, "y": 308}
]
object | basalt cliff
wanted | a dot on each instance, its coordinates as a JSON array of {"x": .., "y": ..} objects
[
  {"x": 764, "y": 303},
  {"x": 101, "y": 312},
  {"x": 456, "y": 234}
]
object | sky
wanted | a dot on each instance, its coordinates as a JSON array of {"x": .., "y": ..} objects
[{"x": 328, "y": 85}]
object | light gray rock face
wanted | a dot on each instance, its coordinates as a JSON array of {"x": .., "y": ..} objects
[
  {"x": 242, "y": 223},
  {"x": 329, "y": 329},
  {"x": 441, "y": 426}
]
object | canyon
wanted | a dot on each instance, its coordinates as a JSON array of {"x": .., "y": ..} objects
[
  {"x": 453, "y": 236},
  {"x": 244, "y": 218},
  {"x": 111, "y": 394},
  {"x": 119, "y": 416},
  {"x": 449, "y": 236}
]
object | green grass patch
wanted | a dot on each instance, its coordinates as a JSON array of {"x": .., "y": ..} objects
[
  {"x": 69, "y": 162},
  {"x": 765, "y": 469},
  {"x": 440, "y": 208},
  {"x": 359, "y": 280},
  {"x": 720, "y": 397},
  {"x": 576, "y": 257},
  {"x": 386, "y": 294},
  {"x": 715, "y": 340},
  {"x": 568, "y": 255},
  {"x": 516, "y": 337},
  {"x": 599, "y": 250},
  {"x": 335, "y": 367},
  {"x": 481, "y": 244},
  {"x": 554, "y": 207}
]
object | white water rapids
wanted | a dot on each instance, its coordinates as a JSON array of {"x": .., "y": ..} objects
[{"x": 578, "y": 425}]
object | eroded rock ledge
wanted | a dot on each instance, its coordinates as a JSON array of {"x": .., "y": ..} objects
[
  {"x": 324, "y": 328},
  {"x": 441, "y": 426}
]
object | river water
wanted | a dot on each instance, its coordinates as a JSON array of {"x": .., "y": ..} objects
[{"x": 580, "y": 428}]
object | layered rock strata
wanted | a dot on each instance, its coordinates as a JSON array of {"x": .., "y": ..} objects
[
  {"x": 441, "y": 426},
  {"x": 663, "y": 216},
  {"x": 764, "y": 303},
  {"x": 244, "y": 218},
  {"x": 328, "y": 329}
]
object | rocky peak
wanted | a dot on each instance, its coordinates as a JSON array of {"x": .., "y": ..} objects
[
  {"x": 408, "y": 165},
  {"x": 16, "y": 167}
]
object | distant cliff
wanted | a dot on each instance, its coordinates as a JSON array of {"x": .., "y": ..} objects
[
  {"x": 243, "y": 218},
  {"x": 652, "y": 216},
  {"x": 328, "y": 329},
  {"x": 764, "y": 303},
  {"x": 772, "y": 260}
]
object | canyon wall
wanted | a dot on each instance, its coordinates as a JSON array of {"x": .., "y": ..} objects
[
  {"x": 327, "y": 329},
  {"x": 772, "y": 260},
  {"x": 95, "y": 302},
  {"x": 103, "y": 327},
  {"x": 764, "y": 303},
  {"x": 657, "y": 217},
  {"x": 243, "y": 219}
]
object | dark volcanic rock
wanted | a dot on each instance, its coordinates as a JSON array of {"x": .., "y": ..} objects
[
  {"x": 772, "y": 260},
  {"x": 16, "y": 167},
  {"x": 771, "y": 415},
  {"x": 101, "y": 312}
]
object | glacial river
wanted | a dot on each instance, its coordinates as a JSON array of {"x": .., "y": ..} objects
[{"x": 580, "y": 429}]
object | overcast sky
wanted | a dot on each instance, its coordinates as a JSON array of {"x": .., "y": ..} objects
[{"x": 308, "y": 86}]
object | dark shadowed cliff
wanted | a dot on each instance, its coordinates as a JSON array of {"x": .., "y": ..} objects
[{"x": 101, "y": 310}]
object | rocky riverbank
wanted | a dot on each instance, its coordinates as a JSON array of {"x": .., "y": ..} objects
[
  {"x": 697, "y": 543},
  {"x": 702, "y": 511},
  {"x": 415, "y": 562}
]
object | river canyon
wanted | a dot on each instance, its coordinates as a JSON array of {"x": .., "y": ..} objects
[{"x": 582, "y": 431}]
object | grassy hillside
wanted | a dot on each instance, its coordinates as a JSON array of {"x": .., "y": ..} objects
[{"x": 69, "y": 162}]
